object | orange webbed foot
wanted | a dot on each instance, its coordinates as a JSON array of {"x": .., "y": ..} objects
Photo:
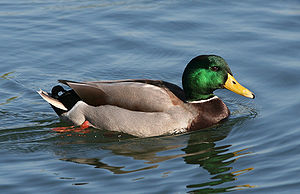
[{"x": 79, "y": 129}]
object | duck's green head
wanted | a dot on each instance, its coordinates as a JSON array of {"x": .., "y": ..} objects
[{"x": 206, "y": 73}]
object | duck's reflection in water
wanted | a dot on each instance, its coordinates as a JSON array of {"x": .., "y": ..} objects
[{"x": 197, "y": 148}]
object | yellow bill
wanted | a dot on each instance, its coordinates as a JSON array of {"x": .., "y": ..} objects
[{"x": 232, "y": 85}]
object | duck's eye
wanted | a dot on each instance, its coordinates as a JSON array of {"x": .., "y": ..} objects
[{"x": 214, "y": 68}]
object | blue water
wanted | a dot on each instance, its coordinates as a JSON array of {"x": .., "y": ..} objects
[{"x": 256, "y": 150}]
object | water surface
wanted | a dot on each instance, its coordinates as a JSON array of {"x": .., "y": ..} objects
[{"x": 255, "y": 150}]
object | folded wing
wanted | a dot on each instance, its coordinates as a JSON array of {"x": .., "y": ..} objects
[{"x": 137, "y": 95}]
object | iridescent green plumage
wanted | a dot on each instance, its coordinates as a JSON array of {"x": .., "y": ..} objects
[{"x": 203, "y": 75}]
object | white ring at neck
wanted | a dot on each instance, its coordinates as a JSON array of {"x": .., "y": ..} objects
[{"x": 201, "y": 101}]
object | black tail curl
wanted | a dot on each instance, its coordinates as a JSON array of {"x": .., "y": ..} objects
[{"x": 67, "y": 97}]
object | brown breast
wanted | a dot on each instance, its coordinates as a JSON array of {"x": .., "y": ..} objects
[{"x": 208, "y": 113}]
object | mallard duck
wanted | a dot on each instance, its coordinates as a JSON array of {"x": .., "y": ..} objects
[{"x": 145, "y": 108}]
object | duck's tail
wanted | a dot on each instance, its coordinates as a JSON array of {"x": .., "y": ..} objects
[{"x": 60, "y": 100}]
